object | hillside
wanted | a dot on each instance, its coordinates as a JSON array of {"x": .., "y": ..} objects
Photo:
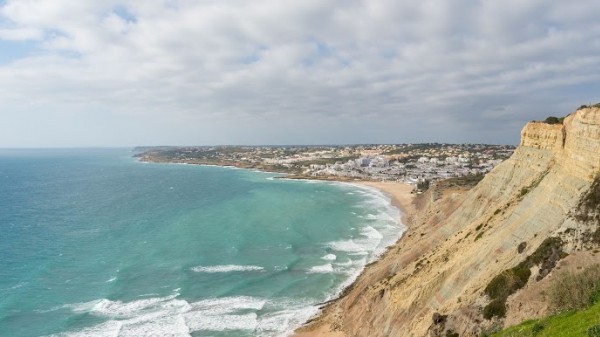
[{"x": 478, "y": 260}]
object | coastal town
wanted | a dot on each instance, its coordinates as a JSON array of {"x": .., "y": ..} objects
[{"x": 408, "y": 163}]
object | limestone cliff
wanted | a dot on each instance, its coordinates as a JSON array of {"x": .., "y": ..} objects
[{"x": 432, "y": 282}]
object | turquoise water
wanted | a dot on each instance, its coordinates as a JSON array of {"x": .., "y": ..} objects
[{"x": 94, "y": 243}]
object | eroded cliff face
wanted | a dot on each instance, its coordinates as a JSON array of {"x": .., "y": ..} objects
[{"x": 433, "y": 280}]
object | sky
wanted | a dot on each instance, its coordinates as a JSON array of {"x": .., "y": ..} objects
[{"x": 194, "y": 72}]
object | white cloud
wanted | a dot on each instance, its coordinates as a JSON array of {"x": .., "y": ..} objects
[
  {"x": 230, "y": 71},
  {"x": 20, "y": 34}
]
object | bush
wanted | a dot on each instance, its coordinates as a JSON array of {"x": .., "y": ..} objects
[
  {"x": 553, "y": 120},
  {"x": 594, "y": 331},
  {"x": 511, "y": 280},
  {"x": 503, "y": 286},
  {"x": 572, "y": 291},
  {"x": 589, "y": 205},
  {"x": 508, "y": 282},
  {"x": 545, "y": 251},
  {"x": 537, "y": 328},
  {"x": 495, "y": 308}
]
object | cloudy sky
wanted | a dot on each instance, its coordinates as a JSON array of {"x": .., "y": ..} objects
[{"x": 175, "y": 72}]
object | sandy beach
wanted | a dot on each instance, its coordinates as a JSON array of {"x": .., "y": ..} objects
[
  {"x": 398, "y": 192},
  {"x": 401, "y": 198}
]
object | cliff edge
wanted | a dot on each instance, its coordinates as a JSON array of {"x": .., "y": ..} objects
[{"x": 520, "y": 224}]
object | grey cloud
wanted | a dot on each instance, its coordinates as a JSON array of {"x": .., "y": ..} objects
[{"x": 202, "y": 72}]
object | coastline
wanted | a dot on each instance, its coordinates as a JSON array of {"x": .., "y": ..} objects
[
  {"x": 401, "y": 198},
  {"x": 400, "y": 194}
]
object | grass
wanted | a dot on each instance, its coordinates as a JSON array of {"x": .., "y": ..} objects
[
  {"x": 568, "y": 324},
  {"x": 576, "y": 296}
]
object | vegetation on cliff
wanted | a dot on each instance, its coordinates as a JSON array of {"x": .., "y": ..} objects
[
  {"x": 586, "y": 106},
  {"x": 576, "y": 299},
  {"x": 588, "y": 208},
  {"x": 554, "y": 120},
  {"x": 520, "y": 220},
  {"x": 511, "y": 280}
]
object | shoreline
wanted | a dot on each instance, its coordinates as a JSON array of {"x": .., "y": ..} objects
[
  {"x": 399, "y": 193},
  {"x": 400, "y": 197}
]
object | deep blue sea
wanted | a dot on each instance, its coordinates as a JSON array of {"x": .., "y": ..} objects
[{"x": 95, "y": 243}]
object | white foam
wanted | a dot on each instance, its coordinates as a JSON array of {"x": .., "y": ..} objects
[
  {"x": 283, "y": 322},
  {"x": 106, "y": 329},
  {"x": 383, "y": 216},
  {"x": 347, "y": 263},
  {"x": 172, "y": 326},
  {"x": 326, "y": 268},
  {"x": 198, "y": 321},
  {"x": 112, "y": 279},
  {"x": 284, "y": 316},
  {"x": 329, "y": 257},
  {"x": 168, "y": 316},
  {"x": 225, "y": 268},
  {"x": 173, "y": 317},
  {"x": 371, "y": 233},
  {"x": 117, "y": 309},
  {"x": 347, "y": 246},
  {"x": 381, "y": 227},
  {"x": 228, "y": 304}
]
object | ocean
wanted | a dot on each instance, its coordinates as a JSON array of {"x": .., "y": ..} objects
[{"x": 95, "y": 243}]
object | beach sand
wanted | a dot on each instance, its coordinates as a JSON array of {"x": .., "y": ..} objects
[
  {"x": 399, "y": 192},
  {"x": 401, "y": 198}
]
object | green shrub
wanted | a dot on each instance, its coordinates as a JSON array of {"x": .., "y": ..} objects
[
  {"x": 589, "y": 205},
  {"x": 508, "y": 282},
  {"x": 553, "y": 120},
  {"x": 594, "y": 331},
  {"x": 511, "y": 280},
  {"x": 496, "y": 308},
  {"x": 537, "y": 328},
  {"x": 544, "y": 251}
]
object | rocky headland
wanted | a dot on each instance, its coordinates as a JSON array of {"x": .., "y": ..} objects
[{"x": 477, "y": 259}]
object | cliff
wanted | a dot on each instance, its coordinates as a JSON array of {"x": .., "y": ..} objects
[{"x": 436, "y": 280}]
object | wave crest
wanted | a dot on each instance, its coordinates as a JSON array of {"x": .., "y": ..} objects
[{"x": 225, "y": 268}]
